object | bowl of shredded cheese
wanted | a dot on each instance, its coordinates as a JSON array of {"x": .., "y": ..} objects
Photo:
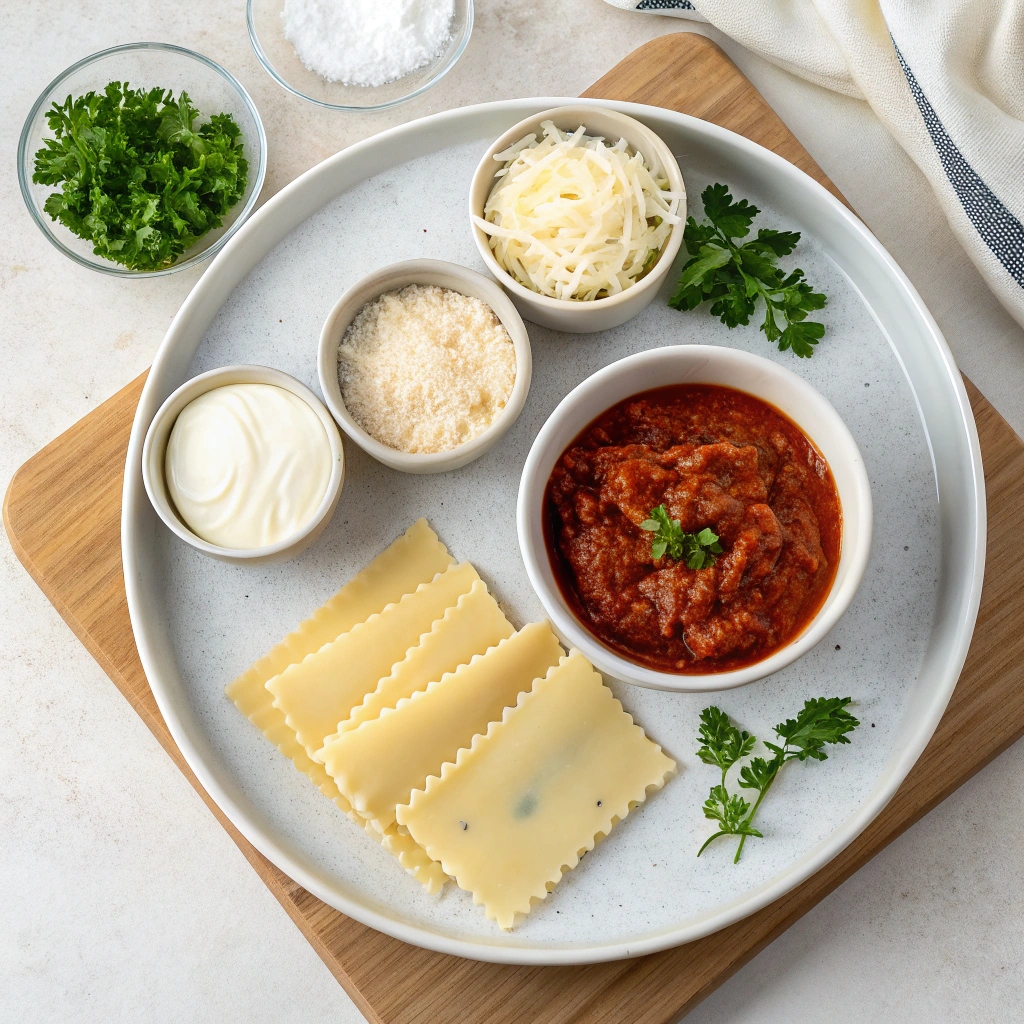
[
  {"x": 579, "y": 213},
  {"x": 425, "y": 365}
]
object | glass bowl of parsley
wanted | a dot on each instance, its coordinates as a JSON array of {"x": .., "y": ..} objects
[{"x": 142, "y": 160}]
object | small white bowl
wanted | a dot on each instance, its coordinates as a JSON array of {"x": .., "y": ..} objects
[
  {"x": 579, "y": 316},
  {"x": 696, "y": 364},
  {"x": 392, "y": 278},
  {"x": 155, "y": 447}
]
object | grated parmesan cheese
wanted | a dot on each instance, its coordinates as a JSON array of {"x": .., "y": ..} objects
[
  {"x": 573, "y": 218},
  {"x": 425, "y": 369}
]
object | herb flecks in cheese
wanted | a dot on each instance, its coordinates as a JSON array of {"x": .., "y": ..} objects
[
  {"x": 462, "y": 746},
  {"x": 378, "y": 765},
  {"x": 535, "y": 793}
]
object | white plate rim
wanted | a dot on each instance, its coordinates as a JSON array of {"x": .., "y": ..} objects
[{"x": 294, "y": 204}]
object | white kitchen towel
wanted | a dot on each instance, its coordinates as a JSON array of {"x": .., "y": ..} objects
[{"x": 946, "y": 77}]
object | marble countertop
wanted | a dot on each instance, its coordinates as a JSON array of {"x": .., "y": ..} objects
[{"x": 121, "y": 898}]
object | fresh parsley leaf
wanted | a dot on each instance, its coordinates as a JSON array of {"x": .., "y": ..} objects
[
  {"x": 731, "y": 812},
  {"x": 696, "y": 236},
  {"x": 822, "y": 721},
  {"x": 781, "y": 243},
  {"x": 736, "y": 304},
  {"x": 137, "y": 177},
  {"x": 701, "y": 548},
  {"x": 800, "y": 337},
  {"x": 734, "y": 277},
  {"x": 732, "y": 219},
  {"x": 708, "y": 259},
  {"x": 759, "y": 774},
  {"x": 723, "y": 744},
  {"x": 698, "y": 550}
]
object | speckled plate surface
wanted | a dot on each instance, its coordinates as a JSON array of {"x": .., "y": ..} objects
[{"x": 898, "y": 651}]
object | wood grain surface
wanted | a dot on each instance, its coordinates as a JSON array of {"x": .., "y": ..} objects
[{"x": 62, "y": 513}]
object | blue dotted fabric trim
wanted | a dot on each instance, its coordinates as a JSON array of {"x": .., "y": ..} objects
[
  {"x": 664, "y": 5},
  {"x": 1001, "y": 231}
]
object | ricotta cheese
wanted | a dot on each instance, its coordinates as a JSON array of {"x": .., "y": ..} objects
[{"x": 247, "y": 465}]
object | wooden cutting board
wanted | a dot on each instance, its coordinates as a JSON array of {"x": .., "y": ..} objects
[{"x": 62, "y": 513}]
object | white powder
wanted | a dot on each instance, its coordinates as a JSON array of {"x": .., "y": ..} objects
[
  {"x": 426, "y": 369},
  {"x": 367, "y": 42}
]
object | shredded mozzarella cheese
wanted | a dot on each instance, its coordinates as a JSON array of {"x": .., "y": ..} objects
[{"x": 574, "y": 218}]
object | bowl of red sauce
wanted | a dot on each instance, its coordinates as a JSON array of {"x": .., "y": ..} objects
[{"x": 694, "y": 518}]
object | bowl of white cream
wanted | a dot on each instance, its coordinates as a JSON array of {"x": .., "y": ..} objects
[{"x": 245, "y": 464}]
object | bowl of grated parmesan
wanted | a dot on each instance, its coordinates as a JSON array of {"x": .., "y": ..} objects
[
  {"x": 579, "y": 213},
  {"x": 425, "y": 365}
]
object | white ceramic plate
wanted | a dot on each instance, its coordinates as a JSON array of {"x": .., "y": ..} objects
[{"x": 898, "y": 651}]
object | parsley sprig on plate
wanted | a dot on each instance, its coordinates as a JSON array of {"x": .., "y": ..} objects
[
  {"x": 734, "y": 277},
  {"x": 822, "y": 721},
  {"x": 138, "y": 178},
  {"x": 698, "y": 550}
]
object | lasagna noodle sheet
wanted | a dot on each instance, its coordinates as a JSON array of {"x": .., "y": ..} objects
[
  {"x": 319, "y": 693},
  {"x": 416, "y": 557},
  {"x": 468, "y": 628},
  {"x": 378, "y": 765},
  {"x": 522, "y": 804}
]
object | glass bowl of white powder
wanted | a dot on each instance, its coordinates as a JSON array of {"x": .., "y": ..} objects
[{"x": 359, "y": 54}]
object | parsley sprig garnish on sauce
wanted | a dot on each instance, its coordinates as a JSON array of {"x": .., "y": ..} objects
[
  {"x": 698, "y": 550},
  {"x": 733, "y": 277},
  {"x": 138, "y": 178},
  {"x": 822, "y": 721}
]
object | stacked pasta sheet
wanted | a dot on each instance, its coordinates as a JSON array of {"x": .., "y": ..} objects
[
  {"x": 415, "y": 558},
  {"x": 406, "y": 700}
]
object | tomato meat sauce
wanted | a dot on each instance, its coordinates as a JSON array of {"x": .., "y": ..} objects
[{"x": 714, "y": 457}]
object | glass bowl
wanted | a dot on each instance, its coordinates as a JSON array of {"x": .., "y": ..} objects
[
  {"x": 277, "y": 55},
  {"x": 212, "y": 89}
]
